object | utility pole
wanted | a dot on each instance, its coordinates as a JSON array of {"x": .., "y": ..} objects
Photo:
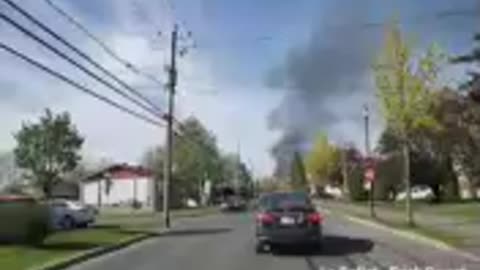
[
  {"x": 345, "y": 172},
  {"x": 366, "y": 115},
  {"x": 237, "y": 164},
  {"x": 172, "y": 81}
]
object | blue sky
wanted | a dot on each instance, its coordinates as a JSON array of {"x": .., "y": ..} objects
[{"x": 226, "y": 79}]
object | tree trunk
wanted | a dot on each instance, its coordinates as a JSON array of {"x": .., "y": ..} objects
[
  {"x": 407, "y": 181},
  {"x": 345, "y": 174},
  {"x": 436, "y": 192},
  {"x": 451, "y": 182},
  {"x": 47, "y": 190}
]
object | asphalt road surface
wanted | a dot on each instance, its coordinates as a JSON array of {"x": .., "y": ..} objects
[{"x": 226, "y": 242}]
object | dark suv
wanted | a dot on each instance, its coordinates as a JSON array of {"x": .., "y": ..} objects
[
  {"x": 234, "y": 203},
  {"x": 287, "y": 218}
]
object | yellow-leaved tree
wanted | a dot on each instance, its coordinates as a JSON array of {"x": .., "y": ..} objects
[
  {"x": 404, "y": 88},
  {"x": 322, "y": 160}
]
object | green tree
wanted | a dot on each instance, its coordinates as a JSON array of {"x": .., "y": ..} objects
[
  {"x": 404, "y": 84},
  {"x": 48, "y": 150},
  {"x": 322, "y": 161},
  {"x": 153, "y": 159},
  {"x": 352, "y": 175},
  {"x": 230, "y": 167},
  {"x": 473, "y": 84},
  {"x": 469, "y": 150},
  {"x": 439, "y": 150},
  {"x": 196, "y": 157},
  {"x": 234, "y": 169},
  {"x": 298, "y": 180}
]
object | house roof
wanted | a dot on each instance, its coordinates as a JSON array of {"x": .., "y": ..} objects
[
  {"x": 16, "y": 198},
  {"x": 119, "y": 172}
]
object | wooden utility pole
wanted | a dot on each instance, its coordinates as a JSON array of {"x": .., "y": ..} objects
[
  {"x": 366, "y": 115},
  {"x": 344, "y": 159},
  {"x": 172, "y": 81}
]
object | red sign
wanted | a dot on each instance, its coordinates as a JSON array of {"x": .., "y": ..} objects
[
  {"x": 369, "y": 162},
  {"x": 369, "y": 175}
]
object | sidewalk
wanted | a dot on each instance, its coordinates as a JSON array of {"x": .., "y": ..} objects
[{"x": 448, "y": 223}]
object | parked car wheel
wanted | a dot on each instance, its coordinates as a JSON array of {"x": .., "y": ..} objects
[
  {"x": 67, "y": 223},
  {"x": 82, "y": 225}
]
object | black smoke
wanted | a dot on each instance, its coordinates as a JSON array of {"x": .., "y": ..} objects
[
  {"x": 330, "y": 74},
  {"x": 336, "y": 57}
]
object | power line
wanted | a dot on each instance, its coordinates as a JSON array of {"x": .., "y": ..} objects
[
  {"x": 103, "y": 45},
  {"x": 76, "y": 64},
  {"x": 78, "y": 86},
  {"x": 81, "y": 54}
]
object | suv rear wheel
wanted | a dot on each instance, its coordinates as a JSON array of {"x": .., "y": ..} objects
[{"x": 260, "y": 247}]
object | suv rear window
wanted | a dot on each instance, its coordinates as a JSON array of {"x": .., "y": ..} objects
[{"x": 282, "y": 200}]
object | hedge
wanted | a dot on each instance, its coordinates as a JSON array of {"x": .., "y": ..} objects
[{"x": 23, "y": 222}]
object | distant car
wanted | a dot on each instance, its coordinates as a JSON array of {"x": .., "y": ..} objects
[
  {"x": 191, "y": 203},
  {"x": 420, "y": 192},
  {"x": 67, "y": 214},
  {"x": 233, "y": 203},
  {"x": 333, "y": 191},
  {"x": 287, "y": 218}
]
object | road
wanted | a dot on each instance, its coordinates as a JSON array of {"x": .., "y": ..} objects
[{"x": 226, "y": 242}]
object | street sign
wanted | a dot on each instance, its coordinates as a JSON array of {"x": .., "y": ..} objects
[{"x": 369, "y": 162}]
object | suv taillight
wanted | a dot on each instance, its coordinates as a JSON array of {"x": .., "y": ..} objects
[
  {"x": 314, "y": 218},
  {"x": 265, "y": 218}
]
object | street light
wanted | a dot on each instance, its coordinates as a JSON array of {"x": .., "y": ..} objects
[{"x": 366, "y": 116}]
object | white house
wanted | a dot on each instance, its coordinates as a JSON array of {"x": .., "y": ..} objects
[{"x": 118, "y": 185}]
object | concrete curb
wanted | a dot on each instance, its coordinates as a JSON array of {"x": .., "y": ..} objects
[
  {"x": 90, "y": 254},
  {"x": 63, "y": 263},
  {"x": 439, "y": 244}
]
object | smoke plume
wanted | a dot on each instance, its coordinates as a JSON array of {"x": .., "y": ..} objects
[
  {"x": 327, "y": 80},
  {"x": 336, "y": 57}
]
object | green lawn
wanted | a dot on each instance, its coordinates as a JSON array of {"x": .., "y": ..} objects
[
  {"x": 469, "y": 211},
  {"x": 111, "y": 228},
  {"x": 59, "y": 245},
  {"x": 392, "y": 214}
]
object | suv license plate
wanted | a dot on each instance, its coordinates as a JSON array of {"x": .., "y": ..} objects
[{"x": 287, "y": 221}]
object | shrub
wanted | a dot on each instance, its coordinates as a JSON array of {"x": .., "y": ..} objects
[
  {"x": 355, "y": 184},
  {"x": 25, "y": 221},
  {"x": 389, "y": 177}
]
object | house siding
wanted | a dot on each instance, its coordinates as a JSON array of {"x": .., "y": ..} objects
[{"x": 123, "y": 191}]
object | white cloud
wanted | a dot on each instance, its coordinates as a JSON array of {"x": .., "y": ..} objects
[
  {"x": 235, "y": 113},
  {"x": 232, "y": 115}
]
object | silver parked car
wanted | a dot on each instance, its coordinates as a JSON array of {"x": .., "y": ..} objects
[{"x": 68, "y": 214}]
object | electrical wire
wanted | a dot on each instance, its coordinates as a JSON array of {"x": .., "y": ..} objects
[
  {"x": 76, "y": 64},
  {"x": 77, "y": 85},
  {"x": 103, "y": 45},
  {"x": 108, "y": 50},
  {"x": 78, "y": 52}
]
